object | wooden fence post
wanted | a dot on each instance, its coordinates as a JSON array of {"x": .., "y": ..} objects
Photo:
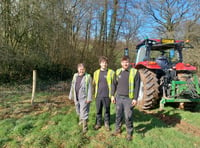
[{"x": 34, "y": 86}]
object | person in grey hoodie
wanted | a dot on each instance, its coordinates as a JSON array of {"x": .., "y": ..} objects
[{"x": 81, "y": 93}]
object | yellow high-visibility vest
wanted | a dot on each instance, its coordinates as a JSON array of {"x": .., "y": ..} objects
[
  {"x": 109, "y": 79},
  {"x": 130, "y": 81}
]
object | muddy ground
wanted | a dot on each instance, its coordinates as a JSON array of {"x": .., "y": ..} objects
[{"x": 173, "y": 121}]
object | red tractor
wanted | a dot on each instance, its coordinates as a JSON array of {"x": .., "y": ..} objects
[{"x": 164, "y": 76}]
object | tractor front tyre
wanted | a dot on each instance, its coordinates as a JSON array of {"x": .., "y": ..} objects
[{"x": 149, "y": 90}]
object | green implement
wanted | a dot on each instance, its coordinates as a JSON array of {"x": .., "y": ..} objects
[{"x": 183, "y": 91}]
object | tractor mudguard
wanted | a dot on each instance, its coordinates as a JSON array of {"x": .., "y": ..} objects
[
  {"x": 148, "y": 65},
  {"x": 183, "y": 66}
]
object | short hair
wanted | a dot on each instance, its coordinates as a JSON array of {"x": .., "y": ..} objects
[
  {"x": 125, "y": 58},
  {"x": 80, "y": 65},
  {"x": 103, "y": 58}
]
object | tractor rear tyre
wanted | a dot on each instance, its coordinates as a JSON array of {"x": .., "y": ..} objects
[{"x": 149, "y": 90}]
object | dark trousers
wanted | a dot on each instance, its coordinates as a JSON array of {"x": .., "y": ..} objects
[
  {"x": 123, "y": 106},
  {"x": 100, "y": 104}
]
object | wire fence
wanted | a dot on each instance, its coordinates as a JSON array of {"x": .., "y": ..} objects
[{"x": 62, "y": 87}]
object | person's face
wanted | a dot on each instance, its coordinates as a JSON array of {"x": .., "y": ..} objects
[
  {"x": 125, "y": 64},
  {"x": 103, "y": 65},
  {"x": 81, "y": 70}
]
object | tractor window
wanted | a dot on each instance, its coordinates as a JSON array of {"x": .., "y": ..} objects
[
  {"x": 171, "y": 53},
  {"x": 175, "y": 58},
  {"x": 141, "y": 54},
  {"x": 154, "y": 55},
  {"x": 164, "y": 57}
]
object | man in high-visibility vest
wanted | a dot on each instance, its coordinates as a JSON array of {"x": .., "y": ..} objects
[
  {"x": 81, "y": 93},
  {"x": 126, "y": 89},
  {"x": 103, "y": 79}
]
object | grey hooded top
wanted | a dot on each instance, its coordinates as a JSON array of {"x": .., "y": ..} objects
[{"x": 85, "y": 91}]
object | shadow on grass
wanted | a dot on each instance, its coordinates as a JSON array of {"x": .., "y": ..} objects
[
  {"x": 197, "y": 108},
  {"x": 151, "y": 120},
  {"x": 112, "y": 119},
  {"x": 4, "y": 140}
]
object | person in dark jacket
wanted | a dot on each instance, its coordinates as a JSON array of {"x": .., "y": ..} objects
[{"x": 125, "y": 91}]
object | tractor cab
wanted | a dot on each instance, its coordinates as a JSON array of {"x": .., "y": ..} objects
[{"x": 160, "y": 54}]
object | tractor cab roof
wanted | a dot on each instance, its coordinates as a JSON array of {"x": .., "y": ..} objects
[{"x": 161, "y": 44}]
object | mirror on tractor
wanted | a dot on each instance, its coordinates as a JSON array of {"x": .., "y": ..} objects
[{"x": 126, "y": 52}]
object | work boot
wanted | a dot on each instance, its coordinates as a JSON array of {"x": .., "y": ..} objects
[
  {"x": 129, "y": 137},
  {"x": 117, "y": 132},
  {"x": 85, "y": 127},
  {"x": 97, "y": 126},
  {"x": 107, "y": 126}
]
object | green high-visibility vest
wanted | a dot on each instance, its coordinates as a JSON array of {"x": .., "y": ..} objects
[
  {"x": 109, "y": 80},
  {"x": 130, "y": 81}
]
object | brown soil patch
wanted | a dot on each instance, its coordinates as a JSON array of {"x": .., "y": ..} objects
[
  {"x": 102, "y": 137},
  {"x": 19, "y": 109},
  {"x": 174, "y": 121}
]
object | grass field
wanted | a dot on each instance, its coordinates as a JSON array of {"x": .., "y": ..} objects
[{"x": 52, "y": 122}]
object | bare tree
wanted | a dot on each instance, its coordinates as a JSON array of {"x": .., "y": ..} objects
[
  {"x": 167, "y": 14},
  {"x": 49, "y": 34}
]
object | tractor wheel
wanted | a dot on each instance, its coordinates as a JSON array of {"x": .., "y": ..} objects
[{"x": 149, "y": 90}]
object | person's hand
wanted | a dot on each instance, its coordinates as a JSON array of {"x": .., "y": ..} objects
[
  {"x": 134, "y": 103},
  {"x": 113, "y": 99},
  {"x": 88, "y": 101}
]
